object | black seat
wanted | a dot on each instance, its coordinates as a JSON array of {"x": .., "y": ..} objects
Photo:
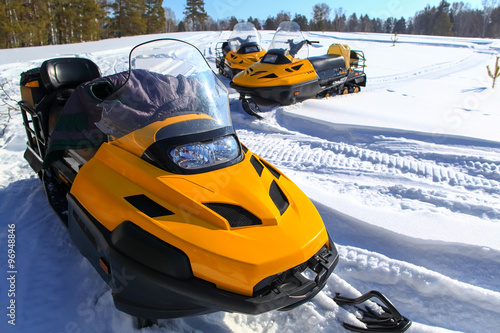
[
  {"x": 60, "y": 77},
  {"x": 62, "y": 73},
  {"x": 326, "y": 62}
]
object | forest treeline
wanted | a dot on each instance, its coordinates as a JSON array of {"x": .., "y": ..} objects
[{"x": 43, "y": 22}]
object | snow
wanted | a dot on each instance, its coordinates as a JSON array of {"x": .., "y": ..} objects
[{"x": 406, "y": 175}]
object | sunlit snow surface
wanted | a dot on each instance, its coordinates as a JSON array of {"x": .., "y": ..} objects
[{"x": 406, "y": 175}]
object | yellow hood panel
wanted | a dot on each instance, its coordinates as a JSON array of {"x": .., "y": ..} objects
[{"x": 235, "y": 259}]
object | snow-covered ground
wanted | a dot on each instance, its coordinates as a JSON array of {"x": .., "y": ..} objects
[{"x": 406, "y": 175}]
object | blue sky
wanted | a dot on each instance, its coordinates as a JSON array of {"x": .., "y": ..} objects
[{"x": 242, "y": 9}]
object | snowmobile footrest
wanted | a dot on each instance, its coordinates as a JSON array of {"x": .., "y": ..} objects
[
  {"x": 390, "y": 320},
  {"x": 245, "y": 102}
]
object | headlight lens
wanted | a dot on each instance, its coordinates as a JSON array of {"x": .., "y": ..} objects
[{"x": 206, "y": 154}]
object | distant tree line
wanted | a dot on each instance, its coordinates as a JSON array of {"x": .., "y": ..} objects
[
  {"x": 43, "y": 22},
  {"x": 456, "y": 19}
]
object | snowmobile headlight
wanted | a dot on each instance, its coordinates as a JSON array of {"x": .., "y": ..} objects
[{"x": 206, "y": 154}]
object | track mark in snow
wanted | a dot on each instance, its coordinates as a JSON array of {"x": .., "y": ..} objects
[
  {"x": 462, "y": 184},
  {"x": 324, "y": 157},
  {"x": 429, "y": 296}
]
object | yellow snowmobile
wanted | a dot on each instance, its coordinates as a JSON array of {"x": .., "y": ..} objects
[
  {"x": 240, "y": 51},
  {"x": 174, "y": 213},
  {"x": 286, "y": 75}
]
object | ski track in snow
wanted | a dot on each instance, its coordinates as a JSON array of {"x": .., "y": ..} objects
[{"x": 441, "y": 286}]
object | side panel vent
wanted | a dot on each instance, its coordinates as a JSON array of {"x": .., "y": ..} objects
[
  {"x": 271, "y": 169},
  {"x": 269, "y": 76},
  {"x": 279, "y": 198},
  {"x": 236, "y": 216},
  {"x": 257, "y": 73},
  {"x": 257, "y": 165},
  {"x": 148, "y": 206}
]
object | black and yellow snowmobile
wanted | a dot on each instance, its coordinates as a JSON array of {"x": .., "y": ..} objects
[
  {"x": 286, "y": 75},
  {"x": 240, "y": 51},
  {"x": 174, "y": 213}
]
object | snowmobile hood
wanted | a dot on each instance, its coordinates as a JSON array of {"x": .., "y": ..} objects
[
  {"x": 262, "y": 74},
  {"x": 242, "y": 61},
  {"x": 247, "y": 219}
]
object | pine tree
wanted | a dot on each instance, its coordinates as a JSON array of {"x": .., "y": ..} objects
[
  {"x": 195, "y": 12},
  {"x": 154, "y": 16},
  {"x": 90, "y": 14},
  {"x": 339, "y": 22},
  {"x": 442, "y": 22},
  {"x": 321, "y": 14},
  {"x": 270, "y": 23},
  {"x": 352, "y": 23},
  {"x": 14, "y": 23},
  {"x": 255, "y": 22},
  {"x": 33, "y": 21},
  {"x": 4, "y": 26},
  {"x": 442, "y": 25},
  {"x": 232, "y": 22},
  {"x": 128, "y": 17},
  {"x": 400, "y": 26},
  {"x": 301, "y": 21},
  {"x": 282, "y": 16}
]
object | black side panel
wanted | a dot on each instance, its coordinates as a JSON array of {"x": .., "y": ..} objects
[
  {"x": 284, "y": 95},
  {"x": 151, "y": 251},
  {"x": 88, "y": 235}
]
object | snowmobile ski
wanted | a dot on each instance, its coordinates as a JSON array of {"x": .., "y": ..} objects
[
  {"x": 390, "y": 320},
  {"x": 245, "y": 103}
]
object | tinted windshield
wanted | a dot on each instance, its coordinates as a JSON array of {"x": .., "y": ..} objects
[
  {"x": 244, "y": 33},
  {"x": 166, "y": 78},
  {"x": 289, "y": 37}
]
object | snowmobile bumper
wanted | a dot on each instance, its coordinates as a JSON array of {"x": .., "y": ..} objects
[
  {"x": 284, "y": 95},
  {"x": 149, "y": 292}
]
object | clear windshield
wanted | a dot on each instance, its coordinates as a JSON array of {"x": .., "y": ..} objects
[
  {"x": 289, "y": 37},
  {"x": 243, "y": 33},
  {"x": 166, "y": 78}
]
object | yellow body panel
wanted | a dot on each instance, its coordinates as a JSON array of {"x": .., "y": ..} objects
[
  {"x": 234, "y": 259},
  {"x": 286, "y": 74},
  {"x": 242, "y": 61}
]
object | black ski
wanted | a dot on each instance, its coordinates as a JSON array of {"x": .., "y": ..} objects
[
  {"x": 388, "y": 321},
  {"x": 245, "y": 102}
]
